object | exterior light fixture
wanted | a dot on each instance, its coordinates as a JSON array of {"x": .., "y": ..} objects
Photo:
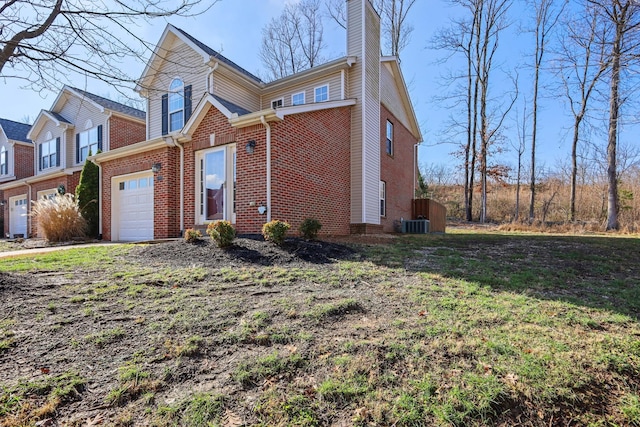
[
  {"x": 3, "y": 202},
  {"x": 250, "y": 147},
  {"x": 155, "y": 168}
]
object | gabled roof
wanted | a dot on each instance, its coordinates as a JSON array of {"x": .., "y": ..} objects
[
  {"x": 217, "y": 55},
  {"x": 111, "y": 105},
  {"x": 40, "y": 120},
  {"x": 401, "y": 86},
  {"x": 15, "y": 130},
  {"x": 233, "y": 108},
  {"x": 208, "y": 56}
]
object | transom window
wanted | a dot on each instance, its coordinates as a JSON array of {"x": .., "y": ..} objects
[
  {"x": 48, "y": 154},
  {"x": 297, "y": 98},
  {"x": 176, "y": 105},
  {"x": 4, "y": 161},
  {"x": 277, "y": 103},
  {"x": 88, "y": 142},
  {"x": 322, "y": 93},
  {"x": 389, "y": 142}
]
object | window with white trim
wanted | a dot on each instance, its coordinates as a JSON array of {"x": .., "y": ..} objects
[
  {"x": 48, "y": 154},
  {"x": 88, "y": 142},
  {"x": 383, "y": 198},
  {"x": 4, "y": 161},
  {"x": 389, "y": 141},
  {"x": 321, "y": 93},
  {"x": 176, "y": 105},
  {"x": 297, "y": 98},
  {"x": 277, "y": 103}
]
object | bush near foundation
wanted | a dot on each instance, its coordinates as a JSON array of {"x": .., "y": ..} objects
[
  {"x": 221, "y": 232},
  {"x": 59, "y": 218},
  {"x": 275, "y": 231},
  {"x": 192, "y": 235},
  {"x": 309, "y": 228}
]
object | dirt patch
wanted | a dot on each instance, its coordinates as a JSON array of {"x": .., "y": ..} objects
[{"x": 246, "y": 250}]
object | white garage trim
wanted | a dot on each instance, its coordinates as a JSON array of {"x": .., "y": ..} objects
[
  {"x": 18, "y": 215},
  {"x": 132, "y": 203}
]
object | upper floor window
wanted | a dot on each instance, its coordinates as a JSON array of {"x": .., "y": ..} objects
[
  {"x": 297, "y": 98},
  {"x": 176, "y": 106},
  {"x": 389, "y": 143},
  {"x": 4, "y": 161},
  {"x": 48, "y": 154},
  {"x": 322, "y": 93},
  {"x": 89, "y": 141},
  {"x": 277, "y": 103}
]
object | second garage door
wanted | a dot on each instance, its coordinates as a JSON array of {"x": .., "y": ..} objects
[{"x": 133, "y": 208}]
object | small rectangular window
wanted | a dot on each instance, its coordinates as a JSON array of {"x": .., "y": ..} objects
[
  {"x": 121, "y": 186},
  {"x": 389, "y": 142},
  {"x": 277, "y": 103},
  {"x": 297, "y": 98},
  {"x": 322, "y": 93},
  {"x": 383, "y": 198}
]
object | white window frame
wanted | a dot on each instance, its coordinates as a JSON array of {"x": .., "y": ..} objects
[
  {"x": 175, "y": 94},
  {"x": 230, "y": 194},
  {"x": 383, "y": 199},
  {"x": 277, "y": 101},
  {"x": 389, "y": 138},
  {"x": 47, "y": 194},
  {"x": 296, "y": 94},
  {"x": 4, "y": 161},
  {"x": 51, "y": 145},
  {"x": 89, "y": 145},
  {"x": 315, "y": 93}
]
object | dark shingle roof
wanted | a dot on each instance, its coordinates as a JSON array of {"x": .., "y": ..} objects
[
  {"x": 15, "y": 130},
  {"x": 217, "y": 55},
  {"x": 112, "y": 105},
  {"x": 233, "y": 108},
  {"x": 59, "y": 117}
]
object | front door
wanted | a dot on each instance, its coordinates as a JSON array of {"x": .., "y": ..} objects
[
  {"x": 18, "y": 216},
  {"x": 216, "y": 182}
]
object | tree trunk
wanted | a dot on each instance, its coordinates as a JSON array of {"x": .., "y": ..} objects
[{"x": 614, "y": 109}]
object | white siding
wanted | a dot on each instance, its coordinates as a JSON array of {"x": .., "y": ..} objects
[
  {"x": 391, "y": 97},
  {"x": 333, "y": 80},
  {"x": 56, "y": 132},
  {"x": 181, "y": 61},
  {"x": 4, "y": 142},
  {"x": 227, "y": 89},
  {"x": 371, "y": 160},
  {"x": 79, "y": 111}
]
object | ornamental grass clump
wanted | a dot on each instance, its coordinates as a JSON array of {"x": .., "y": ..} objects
[
  {"x": 59, "y": 218},
  {"x": 222, "y": 233},
  {"x": 275, "y": 231}
]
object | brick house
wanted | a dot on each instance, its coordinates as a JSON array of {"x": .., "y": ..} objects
[
  {"x": 16, "y": 162},
  {"x": 336, "y": 142},
  {"x": 77, "y": 124}
]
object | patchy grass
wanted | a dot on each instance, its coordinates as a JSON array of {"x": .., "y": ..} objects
[{"x": 465, "y": 329}]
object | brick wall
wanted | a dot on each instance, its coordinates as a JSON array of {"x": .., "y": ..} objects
[
  {"x": 311, "y": 169},
  {"x": 70, "y": 183},
  {"x": 165, "y": 192},
  {"x": 397, "y": 170},
  {"x": 125, "y": 132},
  {"x": 23, "y": 158}
]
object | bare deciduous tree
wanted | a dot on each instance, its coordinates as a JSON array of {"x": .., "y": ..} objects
[
  {"x": 293, "y": 41},
  {"x": 41, "y": 43},
  {"x": 623, "y": 46},
  {"x": 582, "y": 64},
  {"x": 547, "y": 13}
]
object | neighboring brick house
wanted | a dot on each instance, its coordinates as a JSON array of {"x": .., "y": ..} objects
[
  {"x": 16, "y": 162},
  {"x": 336, "y": 142},
  {"x": 77, "y": 124}
]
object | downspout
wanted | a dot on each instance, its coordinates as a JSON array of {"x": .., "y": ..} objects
[
  {"x": 29, "y": 222},
  {"x": 266, "y": 125},
  {"x": 209, "y": 74},
  {"x": 100, "y": 191},
  {"x": 415, "y": 167},
  {"x": 181, "y": 187}
]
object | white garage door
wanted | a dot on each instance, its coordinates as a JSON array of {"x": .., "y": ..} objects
[
  {"x": 133, "y": 219},
  {"x": 18, "y": 216}
]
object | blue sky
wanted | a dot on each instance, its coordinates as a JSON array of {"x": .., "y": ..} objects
[{"x": 234, "y": 28}]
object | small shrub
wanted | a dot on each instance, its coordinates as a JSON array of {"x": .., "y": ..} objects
[
  {"x": 221, "y": 232},
  {"x": 191, "y": 235},
  {"x": 275, "y": 231},
  {"x": 310, "y": 228},
  {"x": 59, "y": 218}
]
